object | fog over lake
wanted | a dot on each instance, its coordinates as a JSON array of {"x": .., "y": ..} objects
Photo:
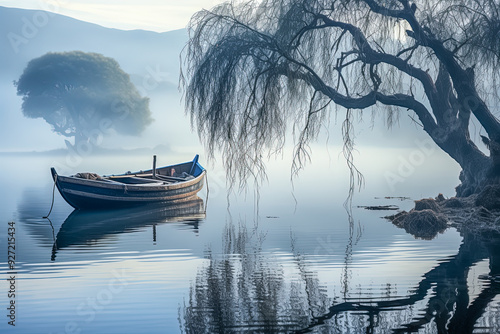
[{"x": 285, "y": 256}]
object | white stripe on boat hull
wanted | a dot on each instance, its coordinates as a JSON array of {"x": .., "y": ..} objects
[{"x": 129, "y": 198}]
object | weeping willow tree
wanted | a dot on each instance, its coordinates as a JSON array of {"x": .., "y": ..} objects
[{"x": 253, "y": 70}]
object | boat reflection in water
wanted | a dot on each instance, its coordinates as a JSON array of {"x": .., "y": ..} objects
[{"x": 86, "y": 227}]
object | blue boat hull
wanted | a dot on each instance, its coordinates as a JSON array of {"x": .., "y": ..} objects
[{"x": 122, "y": 191}]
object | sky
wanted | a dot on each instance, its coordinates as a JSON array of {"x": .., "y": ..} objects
[{"x": 154, "y": 15}]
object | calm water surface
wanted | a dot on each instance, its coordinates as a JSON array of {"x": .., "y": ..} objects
[{"x": 291, "y": 261}]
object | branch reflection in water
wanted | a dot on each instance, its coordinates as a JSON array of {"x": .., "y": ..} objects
[{"x": 246, "y": 289}]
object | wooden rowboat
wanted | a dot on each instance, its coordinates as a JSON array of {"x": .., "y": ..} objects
[{"x": 170, "y": 184}]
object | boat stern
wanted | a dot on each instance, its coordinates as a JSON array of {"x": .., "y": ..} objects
[{"x": 53, "y": 172}]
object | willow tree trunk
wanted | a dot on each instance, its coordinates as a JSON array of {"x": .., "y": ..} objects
[
  {"x": 476, "y": 166},
  {"x": 454, "y": 99}
]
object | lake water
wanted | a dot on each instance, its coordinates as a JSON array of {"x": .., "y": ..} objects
[{"x": 288, "y": 260}]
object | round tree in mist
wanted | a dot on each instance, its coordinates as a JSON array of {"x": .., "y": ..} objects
[{"x": 82, "y": 95}]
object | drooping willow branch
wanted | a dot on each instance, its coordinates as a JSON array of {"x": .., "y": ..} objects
[{"x": 253, "y": 69}]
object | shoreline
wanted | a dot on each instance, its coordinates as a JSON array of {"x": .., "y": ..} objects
[{"x": 478, "y": 214}]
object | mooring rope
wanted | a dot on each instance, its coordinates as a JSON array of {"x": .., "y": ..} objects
[
  {"x": 53, "y": 191},
  {"x": 54, "y": 243}
]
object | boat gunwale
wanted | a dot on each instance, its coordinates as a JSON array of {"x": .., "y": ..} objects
[
  {"x": 110, "y": 184},
  {"x": 130, "y": 198}
]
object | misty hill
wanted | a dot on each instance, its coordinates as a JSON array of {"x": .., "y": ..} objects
[
  {"x": 151, "y": 59},
  {"x": 145, "y": 55}
]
